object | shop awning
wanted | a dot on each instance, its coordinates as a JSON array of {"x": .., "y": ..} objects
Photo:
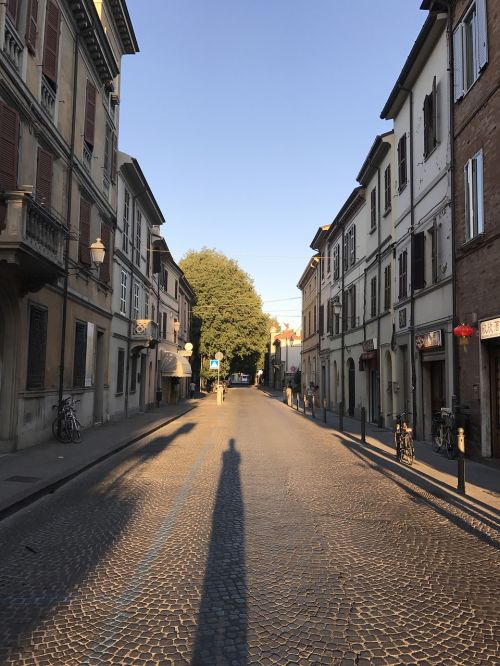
[
  {"x": 174, "y": 365},
  {"x": 367, "y": 357}
]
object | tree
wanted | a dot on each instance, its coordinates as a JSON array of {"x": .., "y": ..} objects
[{"x": 227, "y": 314}]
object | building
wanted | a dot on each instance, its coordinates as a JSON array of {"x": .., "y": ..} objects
[
  {"x": 309, "y": 284},
  {"x": 286, "y": 359},
  {"x": 59, "y": 100}
]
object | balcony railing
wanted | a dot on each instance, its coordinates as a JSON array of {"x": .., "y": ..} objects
[
  {"x": 32, "y": 238},
  {"x": 13, "y": 45},
  {"x": 48, "y": 98},
  {"x": 144, "y": 329},
  {"x": 87, "y": 157}
]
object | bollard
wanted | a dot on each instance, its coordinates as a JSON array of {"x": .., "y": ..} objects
[
  {"x": 324, "y": 410},
  {"x": 313, "y": 400},
  {"x": 461, "y": 460},
  {"x": 305, "y": 402},
  {"x": 298, "y": 400},
  {"x": 341, "y": 417},
  {"x": 363, "y": 425}
]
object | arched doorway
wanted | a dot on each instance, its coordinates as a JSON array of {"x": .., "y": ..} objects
[
  {"x": 351, "y": 371},
  {"x": 9, "y": 334}
]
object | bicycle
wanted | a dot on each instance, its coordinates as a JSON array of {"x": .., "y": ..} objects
[
  {"x": 403, "y": 440},
  {"x": 444, "y": 432},
  {"x": 66, "y": 427}
]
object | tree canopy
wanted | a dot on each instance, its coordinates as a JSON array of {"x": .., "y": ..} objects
[{"x": 227, "y": 314}]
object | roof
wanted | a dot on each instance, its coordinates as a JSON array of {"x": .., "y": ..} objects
[
  {"x": 310, "y": 269},
  {"x": 353, "y": 203},
  {"x": 427, "y": 39},
  {"x": 378, "y": 151},
  {"x": 287, "y": 334},
  {"x": 319, "y": 237},
  {"x": 134, "y": 174},
  {"x": 124, "y": 25}
]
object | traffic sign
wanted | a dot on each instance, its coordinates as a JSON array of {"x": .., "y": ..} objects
[
  {"x": 219, "y": 356},
  {"x": 214, "y": 364}
]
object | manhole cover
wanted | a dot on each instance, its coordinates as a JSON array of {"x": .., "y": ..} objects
[{"x": 23, "y": 479}]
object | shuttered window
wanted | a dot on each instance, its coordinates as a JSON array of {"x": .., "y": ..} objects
[
  {"x": 84, "y": 240},
  {"x": 321, "y": 319},
  {"x": 12, "y": 9},
  {"x": 387, "y": 189},
  {"x": 31, "y": 25},
  {"x": 430, "y": 120},
  {"x": 387, "y": 287},
  {"x": 90, "y": 106},
  {"x": 114, "y": 156},
  {"x": 470, "y": 48},
  {"x": 336, "y": 262},
  {"x": 474, "y": 196},
  {"x": 418, "y": 261},
  {"x": 120, "y": 370},
  {"x": 402, "y": 166},
  {"x": 51, "y": 43},
  {"x": 104, "y": 271},
  {"x": 373, "y": 209},
  {"x": 80, "y": 354},
  {"x": 37, "y": 348},
  {"x": 44, "y": 178},
  {"x": 345, "y": 253},
  {"x": 126, "y": 221},
  {"x": 403, "y": 268},
  {"x": 9, "y": 146},
  {"x": 373, "y": 297},
  {"x": 352, "y": 305}
]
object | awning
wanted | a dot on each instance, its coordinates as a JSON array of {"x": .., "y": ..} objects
[
  {"x": 365, "y": 358},
  {"x": 174, "y": 365}
]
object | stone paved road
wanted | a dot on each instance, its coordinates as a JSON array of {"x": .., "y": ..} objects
[{"x": 247, "y": 534}]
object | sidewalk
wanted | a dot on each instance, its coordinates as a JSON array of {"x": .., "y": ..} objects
[
  {"x": 30, "y": 473},
  {"x": 482, "y": 481}
]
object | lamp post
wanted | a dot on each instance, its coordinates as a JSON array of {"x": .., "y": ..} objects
[
  {"x": 177, "y": 326},
  {"x": 97, "y": 254},
  {"x": 337, "y": 310}
]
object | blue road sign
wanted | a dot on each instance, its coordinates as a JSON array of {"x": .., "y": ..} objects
[{"x": 214, "y": 364}]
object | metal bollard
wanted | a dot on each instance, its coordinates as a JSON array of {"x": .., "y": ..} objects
[
  {"x": 341, "y": 417},
  {"x": 461, "y": 461},
  {"x": 298, "y": 400},
  {"x": 324, "y": 410},
  {"x": 305, "y": 402},
  {"x": 363, "y": 425}
]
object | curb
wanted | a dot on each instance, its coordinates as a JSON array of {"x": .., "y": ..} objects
[{"x": 53, "y": 485}]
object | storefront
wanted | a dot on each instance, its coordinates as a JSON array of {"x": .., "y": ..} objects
[
  {"x": 431, "y": 377},
  {"x": 368, "y": 363},
  {"x": 489, "y": 334}
]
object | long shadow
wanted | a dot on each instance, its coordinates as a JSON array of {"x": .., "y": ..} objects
[
  {"x": 221, "y": 633},
  {"x": 47, "y": 553},
  {"x": 418, "y": 497}
]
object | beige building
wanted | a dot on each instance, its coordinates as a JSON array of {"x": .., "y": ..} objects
[
  {"x": 58, "y": 140},
  {"x": 309, "y": 285}
]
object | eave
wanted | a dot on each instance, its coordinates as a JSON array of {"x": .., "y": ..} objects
[
  {"x": 378, "y": 151},
  {"x": 124, "y": 25},
  {"x": 311, "y": 268},
  {"x": 319, "y": 237},
  {"x": 135, "y": 176}
]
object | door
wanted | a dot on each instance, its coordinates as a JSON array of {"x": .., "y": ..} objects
[
  {"x": 438, "y": 398},
  {"x": 374, "y": 399},
  {"x": 352, "y": 386},
  {"x": 99, "y": 379},
  {"x": 142, "y": 384},
  {"x": 495, "y": 401}
]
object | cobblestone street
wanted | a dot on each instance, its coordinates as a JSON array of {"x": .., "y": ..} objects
[{"x": 248, "y": 534}]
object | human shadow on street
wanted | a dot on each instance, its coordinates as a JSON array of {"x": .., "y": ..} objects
[
  {"x": 221, "y": 633},
  {"x": 408, "y": 475}
]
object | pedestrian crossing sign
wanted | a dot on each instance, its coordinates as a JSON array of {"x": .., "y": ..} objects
[{"x": 214, "y": 364}]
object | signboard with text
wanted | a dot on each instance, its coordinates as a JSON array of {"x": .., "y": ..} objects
[
  {"x": 429, "y": 340},
  {"x": 490, "y": 329}
]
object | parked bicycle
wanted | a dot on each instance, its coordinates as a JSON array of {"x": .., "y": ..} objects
[
  {"x": 66, "y": 427},
  {"x": 443, "y": 432},
  {"x": 403, "y": 439}
]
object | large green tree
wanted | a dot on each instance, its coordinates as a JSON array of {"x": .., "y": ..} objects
[{"x": 227, "y": 314}]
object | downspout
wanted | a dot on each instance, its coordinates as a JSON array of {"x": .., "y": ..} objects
[
  {"x": 412, "y": 291},
  {"x": 342, "y": 324},
  {"x": 68, "y": 220},
  {"x": 379, "y": 294}
]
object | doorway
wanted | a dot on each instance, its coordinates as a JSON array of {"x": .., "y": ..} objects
[
  {"x": 438, "y": 397},
  {"x": 99, "y": 379},
  {"x": 495, "y": 401},
  {"x": 352, "y": 386}
]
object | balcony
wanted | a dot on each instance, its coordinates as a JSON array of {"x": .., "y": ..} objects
[
  {"x": 31, "y": 241},
  {"x": 144, "y": 330},
  {"x": 87, "y": 157},
  {"x": 48, "y": 98},
  {"x": 13, "y": 45}
]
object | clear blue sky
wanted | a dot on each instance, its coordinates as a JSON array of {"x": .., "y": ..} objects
[{"x": 251, "y": 119}]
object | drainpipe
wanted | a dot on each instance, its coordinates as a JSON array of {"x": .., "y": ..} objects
[
  {"x": 379, "y": 294},
  {"x": 412, "y": 292},
  {"x": 343, "y": 322},
  {"x": 68, "y": 220}
]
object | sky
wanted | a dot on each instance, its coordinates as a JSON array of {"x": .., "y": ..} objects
[{"x": 251, "y": 119}]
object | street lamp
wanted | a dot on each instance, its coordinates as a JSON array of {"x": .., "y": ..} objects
[
  {"x": 97, "y": 252},
  {"x": 177, "y": 326},
  {"x": 337, "y": 310}
]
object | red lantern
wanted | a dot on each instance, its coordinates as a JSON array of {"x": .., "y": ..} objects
[{"x": 463, "y": 333}]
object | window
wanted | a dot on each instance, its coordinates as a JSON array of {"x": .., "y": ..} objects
[
  {"x": 352, "y": 305},
  {"x": 328, "y": 258},
  {"x": 175, "y": 332},
  {"x": 403, "y": 267},
  {"x": 321, "y": 319},
  {"x": 336, "y": 262},
  {"x": 31, "y": 26},
  {"x": 387, "y": 189},
  {"x": 373, "y": 297},
  {"x": 105, "y": 269},
  {"x": 164, "y": 326},
  {"x": 110, "y": 154},
  {"x": 12, "y": 10},
  {"x": 136, "y": 301},
  {"x": 176, "y": 290},
  {"x": 337, "y": 320},
  {"x": 351, "y": 234},
  {"x": 345, "y": 314},
  {"x": 9, "y": 143},
  {"x": 387, "y": 287},
  {"x": 90, "y": 106},
  {"x": 309, "y": 321},
  {"x": 37, "y": 348},
  {"x": 44, "y": 178},
  {"x": 84, "y": 240},
  {"x": 402, "y": 170},
  {"x": 146, "y": 305},
  {"x": 133, "y": 374},
  {"x": 329, "y": 316},
  {"x": 51, "y": 43},
  {"x": 120, "y": 370},
  {"x": 430, "y": 120},
  {"x": 123, "y": 293},
  {"x": 138, "y": 234},
  {"x": 418, "y": 261},
  {"x": 474, "y": 210},
  {"x": 80, "y": 354},
  {"x": 434, "y": 251},
  {"x": 165, "y": 279},
  {"x": 373, "y": 209},
  {"x": 126, "y": 221},
  {"x": 148, "y": 254},
  {"x": 470, "y": 48},
  {"x": 345, "y": 253},
  {"x": 315, "y": 325}
]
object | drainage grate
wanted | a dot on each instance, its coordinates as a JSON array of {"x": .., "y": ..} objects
[{"x": 24, "y": 479}]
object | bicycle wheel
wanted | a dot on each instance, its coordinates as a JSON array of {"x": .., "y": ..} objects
[
  {"x": 60, "y": 429},
  {"x": 74, "y": 429},
  {"x": 437, "y": 441},
  {"x": 450, "y": 444},
  {"x": 409, "y": 450}
]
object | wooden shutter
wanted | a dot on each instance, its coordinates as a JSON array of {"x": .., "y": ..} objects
[
  {"x": 90, "y": 105},
  {"x": 114, "y": 156},
  {"x": 84, "y": 243},
  {"x": 80, "y": 354},
  {"x": 31, "y": 25},
  {"x": 482, "y": 42},
  {"x": 321, "y": 319},
  {"x": 44, "y": 178},
  {"x": 51, "y": 44},
  {"x": 418, "y": 261},
  {"x": 37, "y": 348},
  {"x": 104, "y": 273},
  {"x": 12, "y": 7},
  {"x": 9, "y": 145},
  {"x": 107, "y": 151},
  {"x": 479, "y": 202},
  {"x": 458, "y": 75}
]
